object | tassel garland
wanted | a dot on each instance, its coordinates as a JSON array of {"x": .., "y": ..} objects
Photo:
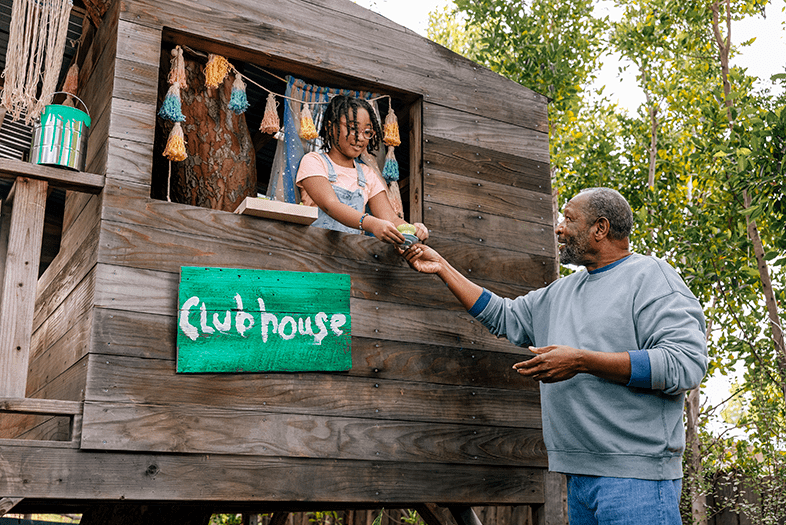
[
  {"x": 216, "y": 70},
  {"x": 177, "y": 68},
  {"x": 176, "y": 144},
  {"x": 390, "y": 171},
  {"x": 171, "y": 109},
  {"x": 270, "y": 122},
  {"x": 307, "y": 129},
  {"x": 392, "y": 137},
  {"x": 238, "y": 101}
]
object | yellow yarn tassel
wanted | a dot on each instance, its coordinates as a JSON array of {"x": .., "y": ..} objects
[
  {"x": 270, "y": 122},
  {"x": 176, "y": 144},
  {"x": 216, "y": 70},
  {"x": 392, "y": 137},
  {"x": 177, "y": 68},
  {"x": 307, "y": 129}
]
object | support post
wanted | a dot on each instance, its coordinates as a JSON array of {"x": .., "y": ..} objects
[{"x": 17, "y": 304}]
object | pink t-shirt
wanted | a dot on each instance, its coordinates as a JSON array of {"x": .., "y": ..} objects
[{"x": 313, "y": 165}]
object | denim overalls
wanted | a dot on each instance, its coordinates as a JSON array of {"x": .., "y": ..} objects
[{"x": 353, "y": 199}]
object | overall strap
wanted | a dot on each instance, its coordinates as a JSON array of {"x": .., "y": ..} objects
[
  {"x": 361, "y": 177},
  {"x": 331, "y": 171}
]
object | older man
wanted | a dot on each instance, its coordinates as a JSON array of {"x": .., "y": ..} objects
[{"x": 616, "y": 347}]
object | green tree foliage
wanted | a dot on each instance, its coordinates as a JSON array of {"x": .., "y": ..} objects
[{"x": 701, "y": 161}]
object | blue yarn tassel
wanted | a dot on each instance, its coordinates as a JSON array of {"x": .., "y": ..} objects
[
  {"x": 390, "y": 171},
  {"x": 171, "y": 108},
  {"x": 238, "y": 100}
]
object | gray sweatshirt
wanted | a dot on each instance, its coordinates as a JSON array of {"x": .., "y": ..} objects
[{"x": 592, "y": 426}]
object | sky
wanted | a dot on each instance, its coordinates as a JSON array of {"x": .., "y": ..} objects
[{"x": 764, "y": 58}]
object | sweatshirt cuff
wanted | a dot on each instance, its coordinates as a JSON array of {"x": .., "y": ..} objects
[
  {"x": 640, "y": 369},
  {"x": 481, "y": 303}
]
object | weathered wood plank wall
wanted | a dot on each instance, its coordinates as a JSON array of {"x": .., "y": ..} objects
[{"x": 431, "y": 410}]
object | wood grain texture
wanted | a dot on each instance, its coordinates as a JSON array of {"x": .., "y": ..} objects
[
  {"x": 465, "y": 226},
  {"x": 493, "y": 166},
  {"x": 259, "y": 33},
  {"x": 117, "y": 333},
  {"x": 61, "y": 473},
  {"x": 483, "y": 132},
  {"x": 384, "y": 277},
  {"x": 19, "y": 283},
  {"x": 196, "y": 430},
  {"x": 483, "y": 197},
  {"x": 115, "y": 379},
  {"x": 121, "y": 288},
  {"x": 10, "y": 169}
]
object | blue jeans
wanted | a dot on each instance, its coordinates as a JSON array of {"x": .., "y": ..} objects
[{"x": 621, "y": 501}]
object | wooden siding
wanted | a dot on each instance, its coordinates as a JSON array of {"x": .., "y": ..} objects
[{"x": 431, "y": 410}]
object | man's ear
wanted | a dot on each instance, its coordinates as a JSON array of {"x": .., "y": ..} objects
[{"x": 602, "y": 226}]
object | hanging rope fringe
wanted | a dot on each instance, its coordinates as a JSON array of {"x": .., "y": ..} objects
[
  {"x": 307, "y": 129},
  {"x": 176, "y": 144},
  {"x": 177, "y": 68},
  {"x": 238, "y": 101},
  {"x": 36, "y": 42},
  {"x": 216, "y": 70},
  {"x": 270, "y": 122},
  {"x": 390, "y": 171},
  {"x": 171, "y": 109},
  {"x": 392, "y": 137}
]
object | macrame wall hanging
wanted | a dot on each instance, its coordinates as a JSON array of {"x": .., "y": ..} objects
[{"x": 36, "y": 43}]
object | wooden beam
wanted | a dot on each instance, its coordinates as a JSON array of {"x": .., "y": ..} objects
[
  {"x": 19, "y": 284},
  {"x": 40, "y": 406},
  {"x": 6, "y": 504},
  {"x": 57, "y": 177}
]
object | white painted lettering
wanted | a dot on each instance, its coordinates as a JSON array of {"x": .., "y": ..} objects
[
  {"x": 189, "y": 329},
  {"x": 241, "y": 317}
]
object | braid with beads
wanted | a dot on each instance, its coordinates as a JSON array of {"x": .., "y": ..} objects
[{"x": 343, "y": 106}]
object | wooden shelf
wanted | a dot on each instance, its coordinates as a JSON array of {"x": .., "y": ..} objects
[{"x": 282, "y": 211}]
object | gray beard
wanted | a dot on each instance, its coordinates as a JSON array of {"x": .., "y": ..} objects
[{"x": 574, "y": 251}]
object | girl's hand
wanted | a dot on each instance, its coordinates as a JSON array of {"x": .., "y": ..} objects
[
  {"x": 422, "y": 231},
  {"x": 383, "y": 230}
]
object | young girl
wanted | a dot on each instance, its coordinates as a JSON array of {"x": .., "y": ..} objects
[{"x": 339, "y": 184}]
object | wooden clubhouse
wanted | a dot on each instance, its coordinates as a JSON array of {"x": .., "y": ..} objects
[{"x": 428, "y": 414}]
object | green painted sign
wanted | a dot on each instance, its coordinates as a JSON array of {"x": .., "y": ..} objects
[{"x": 233, "y": 320}]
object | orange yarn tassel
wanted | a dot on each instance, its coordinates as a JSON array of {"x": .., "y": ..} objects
[
  {"x": 216, "y": 70},
  {"x": 270, "y": 122},
  {"x": 177, "y": 68},
  {"x": 71, "y": 84},
  {"x": 176, "y": 144},
  {"x": 307, "y": 129},
  {"x": 392, "y": 137}
]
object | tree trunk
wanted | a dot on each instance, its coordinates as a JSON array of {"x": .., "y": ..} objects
[
  {"x": 697, "y": 498},
  {"x": 724, "y": 45},
  {"x": 220, "y": 170}
]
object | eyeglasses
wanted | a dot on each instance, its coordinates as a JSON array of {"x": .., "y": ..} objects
[{"x": 367, "y": 134}]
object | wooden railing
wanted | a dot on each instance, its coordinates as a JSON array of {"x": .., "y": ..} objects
[{"x": 21, "y": 234}]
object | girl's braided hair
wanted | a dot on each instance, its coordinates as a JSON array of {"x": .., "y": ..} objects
[{"x": 347, "y": 107}]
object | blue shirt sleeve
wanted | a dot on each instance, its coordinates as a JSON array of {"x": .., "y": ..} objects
[
  {"x": 481, "y": 303},
  {"x": 640, "y": 369}
]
